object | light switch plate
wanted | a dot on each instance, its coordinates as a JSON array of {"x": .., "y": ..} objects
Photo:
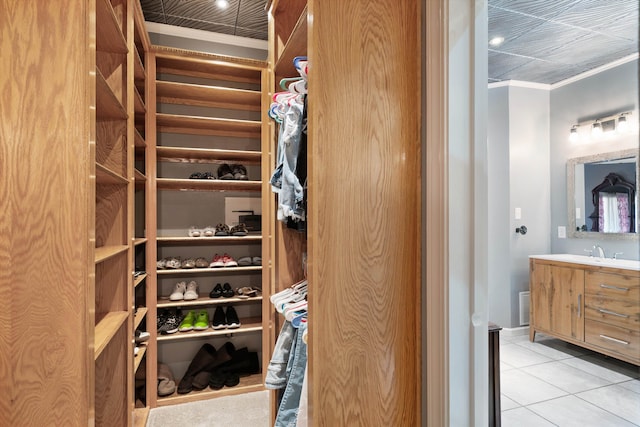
[
  {"x": 562, "y": 232},
  {"x": 518, "y": 213}
]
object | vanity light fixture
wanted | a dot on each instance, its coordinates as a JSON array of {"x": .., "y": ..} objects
[
  {"x": 623, "y": 124},
  {"x": 573, "y": 134},
  {"x": 596, "y": 129}
]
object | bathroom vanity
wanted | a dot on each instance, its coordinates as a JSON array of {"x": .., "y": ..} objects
[{"x": 587, "y": 301}]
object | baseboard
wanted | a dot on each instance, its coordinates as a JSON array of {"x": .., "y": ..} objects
[{"x": 512, "y": 332}]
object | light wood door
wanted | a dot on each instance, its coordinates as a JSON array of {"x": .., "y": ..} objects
[{"x": 557, "y": 300}]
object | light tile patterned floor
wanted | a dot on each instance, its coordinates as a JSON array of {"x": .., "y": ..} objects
[{"x": 552, "y": 383}]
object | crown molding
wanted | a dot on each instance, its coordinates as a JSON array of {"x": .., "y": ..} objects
[{"x": 191, "y": 33}]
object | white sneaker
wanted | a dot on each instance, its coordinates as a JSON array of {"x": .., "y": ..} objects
[
  {"x": 178, "y": 291},
  {"x": 192, "y": 291}
]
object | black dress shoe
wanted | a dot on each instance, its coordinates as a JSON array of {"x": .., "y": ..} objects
[{"x": 216, "y": 292}]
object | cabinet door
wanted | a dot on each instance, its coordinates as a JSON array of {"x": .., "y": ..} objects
[{"x": 557, "y": 300}]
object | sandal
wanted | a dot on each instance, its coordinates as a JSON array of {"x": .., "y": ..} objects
[
  {"x": 246, "y": 292},
  {"x": 222, "y": 230},
  {"x": 239, "y": 230}
]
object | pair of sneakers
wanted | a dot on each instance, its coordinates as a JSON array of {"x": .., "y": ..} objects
[
  {"x": 168, "y": 321},
  {"x": 225, "y": 319},
  {"x": 195, "y": 321},
  {"x": 184, "y": 291},
  {"x": 237, "y": 172},
  {"x": 223, "y": 261}
]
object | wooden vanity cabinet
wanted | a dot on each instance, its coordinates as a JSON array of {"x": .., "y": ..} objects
[{"x": 594, "y": 307}]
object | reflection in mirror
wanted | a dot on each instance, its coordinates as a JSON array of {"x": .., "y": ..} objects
[{"x": 602, "y": 195}]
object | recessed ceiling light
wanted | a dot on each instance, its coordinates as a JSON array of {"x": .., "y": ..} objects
[
  {"x": 222, "y": 4},
  {"x": 496, "y": 41}
]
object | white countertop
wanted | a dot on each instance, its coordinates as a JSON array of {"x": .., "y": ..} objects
[{"x": 625, "y": 264}]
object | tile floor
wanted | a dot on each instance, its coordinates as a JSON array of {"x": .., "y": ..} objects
[{"x": 553, "y": 383}]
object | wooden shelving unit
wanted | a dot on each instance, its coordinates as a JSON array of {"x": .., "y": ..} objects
[
  {"x": 108, "y": 106},
  {"x": 107, "y": 328},
  {"x": 139, "y": 317},
  {"x": 138, "y": 280},
  {"x": 231, "y": 90},
  {"x": 106, "y": 252},
  {"x": 109, "y": 35},
  {"x": 247, "y": 384},
  {"x": 105, "y": 175}
]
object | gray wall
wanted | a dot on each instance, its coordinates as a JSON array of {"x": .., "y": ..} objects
[
  {"x": 608, "y": 92},
  {"x": 518, "y": 174}
]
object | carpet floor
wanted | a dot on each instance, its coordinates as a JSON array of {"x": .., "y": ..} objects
[{"x": 243, "y": 410}]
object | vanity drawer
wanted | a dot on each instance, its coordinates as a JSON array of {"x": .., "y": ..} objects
[
  {"x": 613, "y": 285},
  {"x": 621, "y": 340},
  {"x": 621, "y": 312}
]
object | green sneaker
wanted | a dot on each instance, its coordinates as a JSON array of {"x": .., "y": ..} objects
[
  {"x": 187, "y": 322},
  {"x": 202, "y": 321}
]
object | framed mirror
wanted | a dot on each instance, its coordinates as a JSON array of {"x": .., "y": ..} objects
[{"x": 602, "y": 195}]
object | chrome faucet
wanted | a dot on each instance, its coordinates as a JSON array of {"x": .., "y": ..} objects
[{"x": 600, "y": 251}]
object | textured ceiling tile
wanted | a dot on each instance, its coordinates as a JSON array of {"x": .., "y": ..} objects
[
  {"x": 543, "y": 39},
  {"x": 541, "y": 72},
  {"x": 202, "y": 10},
  {"x": 154, "y": 17},
  {"x": 510, "y": 25},
  {"x": 200, "y": 25},
  {"x": 151, "y": 6},
  {"x": 541, "y": 8},
  {"x": 608, "y": 57},
  {"x": 500, "y": 62},
  {"x": 599, "y": 15},
  {"x": 254, "y": 34},
  {"x": 252, "y": 15}
]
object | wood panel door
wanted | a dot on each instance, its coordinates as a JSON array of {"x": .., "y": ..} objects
[{"x": 557, "y": 300}]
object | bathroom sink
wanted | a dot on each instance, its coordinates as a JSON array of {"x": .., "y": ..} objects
[{"x": 588, "y": 260}]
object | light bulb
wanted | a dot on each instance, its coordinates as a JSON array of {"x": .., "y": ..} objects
[
  {"x": 573, "y": 134},
  {"x": 596, "y": 130},
  {"x": 496, "y": 41},
  {"x": 623, "y": 124},
  {"x": 222, "y": 4}
]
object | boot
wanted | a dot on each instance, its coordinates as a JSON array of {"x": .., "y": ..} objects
[
  {"x": 203, "y": 359},
  {"x": 201, "y": 379}
]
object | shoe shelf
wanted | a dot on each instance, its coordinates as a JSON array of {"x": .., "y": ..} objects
[
  {"x": 140, "y": 416},
  {"x": 107, "y": 328},
  {"x": 104, "y": 175},
  {"x": 197, "y": 125},
  {"x": 141, "y": 312},
  {"x": 139, "y": 280},
  {"x": 209, "y": 240},
  {"x": 204, "y": 301},
  {"x": 105, "y": 252},
  {"x": 204, "y": 155},
  {"x": 139, "y": 176},
  {"x": 139, "y": 240},
  {"x": 139, "y": 140},
  {"x": 195, "y": 64},
  {"x": 138, "y": 102},
  {"x": 208, "y": 96},
  {"x": 222, "y": 270},
  {"x": 247, "y": 384},
  {"x": 139, "y": 72},
  {"x": 294, "y": 46},
  {"x": 137, "y": 359},
  {"x": 109, "y": 36},
  {"x": 207, "y": 185},
  {"x": 108, "y": 107},
  {"x": 248, "y": 325}
]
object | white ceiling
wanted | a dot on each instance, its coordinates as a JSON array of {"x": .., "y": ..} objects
[{"x": 544, "y": 41}]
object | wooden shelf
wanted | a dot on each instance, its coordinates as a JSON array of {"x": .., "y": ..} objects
[
  {"x": 205, "y": 301},
  {"x": 207, "y": 185},
  {"x": 139, "y": 240},
  {"x": 108, "y": 107},
  {"x": 220, "y": 270},
  {"x": 109, "y": 36},
  {"x": 139, "y": 316},
  {"x": 105, "y": 252},
  {"x": 296, "y": 46},
  {"x": 139, "y": 73},
  {"x": 197, "y": 64},
  {"x": 204, "y": 155},
  {"x": 139, "y": 140},
  {"x": 105, "y": 175},
  {"x": 137, "y": 359},
  {"x": 140, "y": 416},
  {"x": 247, "y": 384},
  {"x": 247, "y": 325},
  {"x": 251, "y": 238},
  {"x": 107, "y": 328},
  {"x": 196, "y": 125},
  {"x": 138, "y": 103},
  {"x": 139, "y": 279},
  {"x": 208, "y": 96},
  {"x": 139, "y": 176}
]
